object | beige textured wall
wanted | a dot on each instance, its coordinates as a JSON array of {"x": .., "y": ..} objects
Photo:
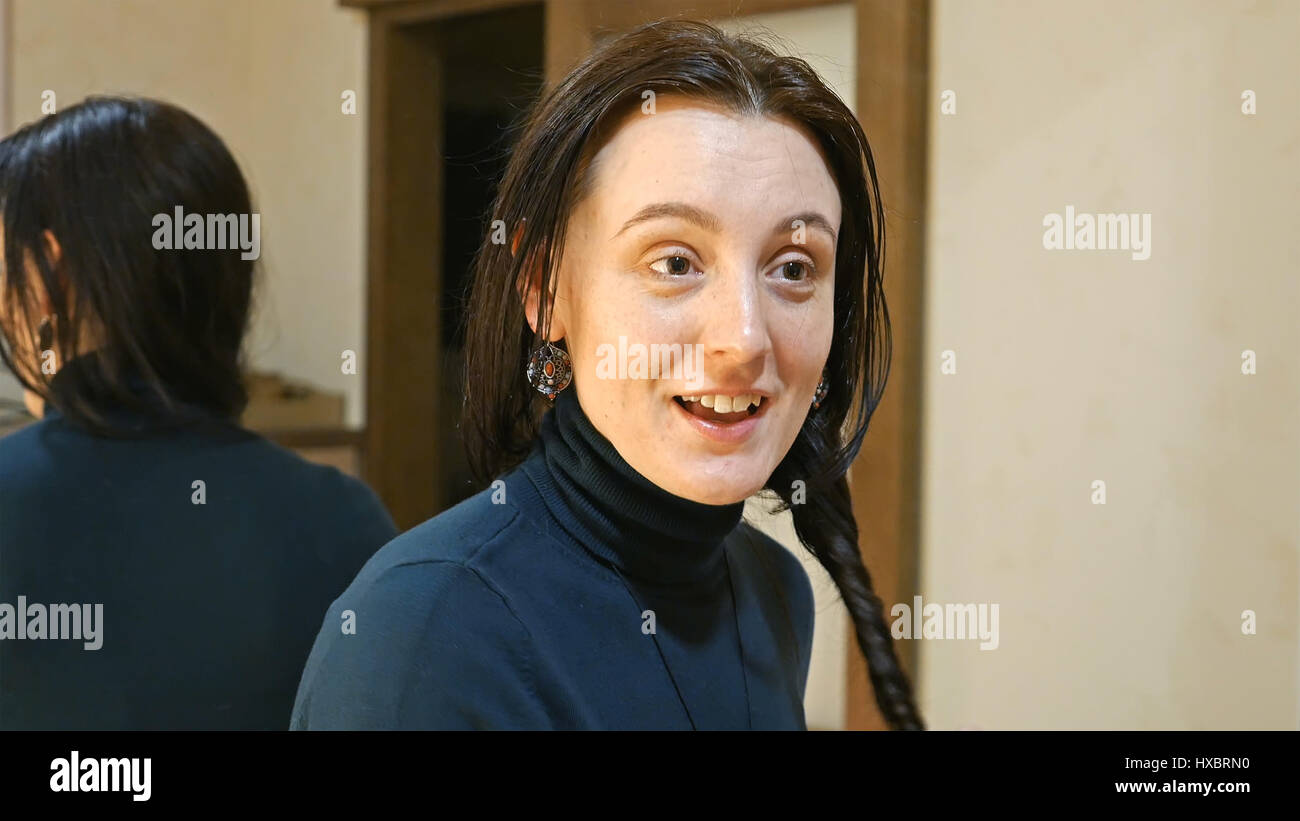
[
  {"x": 267, "y": 77},
  {"x": 1080, "y": 365},
  {"x": 309, "y": 159}
]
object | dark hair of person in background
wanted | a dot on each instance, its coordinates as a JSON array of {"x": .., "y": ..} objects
[
  {"x": 173, "y": 320},
  {"x": 545, "y": 176}
]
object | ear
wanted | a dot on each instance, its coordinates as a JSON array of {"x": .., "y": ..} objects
[
  {"x": 530, "y": 289},
  {"x": 54, "y": 253},
  {"x": 53, "y": 250}
]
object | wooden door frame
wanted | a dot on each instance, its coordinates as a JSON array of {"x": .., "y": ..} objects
[
  {"x": 893, "y": 101},
  {"x": 402, "y": 319},
  {"x": 893, "y": 91}
]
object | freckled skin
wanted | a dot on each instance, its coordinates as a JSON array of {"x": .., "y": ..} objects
[{"x": 760, "y": 325}]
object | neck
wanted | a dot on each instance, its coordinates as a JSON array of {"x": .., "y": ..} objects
[
  {"x": 125, "y": 401},
  {"x": 34, "y": 403},
  {"x": 617, "y": 514}
]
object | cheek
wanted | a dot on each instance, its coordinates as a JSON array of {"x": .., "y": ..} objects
[
  {"x": 802, "y": 341},
  {"x": 602, "y": 312},
  {"x": 608, "y": 309}
]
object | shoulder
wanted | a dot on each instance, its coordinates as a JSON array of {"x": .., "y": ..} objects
[
  {"x": 22, "y": 443},
  {"x": 786, "y": 575},
  {"x": 411, "y": 575},
  {"x": 54, "y": 455},
  {"x": 784, "y": 566},
  {"x": 423, "y": 639},
  {"x": 457, "y": 535},
  {"x": 342, "y": 519},
  {"x": 303, "y": 528},
  {"x": 343, "y": 497},
  {"x": 396, "y": 606},
  {"x": 26, "y": 463}
]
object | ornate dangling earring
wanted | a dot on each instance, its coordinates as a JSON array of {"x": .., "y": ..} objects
[
  {"x": 823, "y": 388},
  {"x": 549, "y": 370}
]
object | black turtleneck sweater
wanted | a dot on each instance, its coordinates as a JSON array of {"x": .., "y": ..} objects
[{"x": 528, "y": 606}]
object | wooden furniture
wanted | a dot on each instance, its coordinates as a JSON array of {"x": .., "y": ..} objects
[{"x": 305, "y": 420}]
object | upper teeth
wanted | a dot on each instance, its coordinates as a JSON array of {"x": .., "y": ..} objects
[{"x": 726, "y": 404}]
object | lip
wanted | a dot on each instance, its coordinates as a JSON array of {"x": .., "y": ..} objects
[{"x": 725, "y": 433}]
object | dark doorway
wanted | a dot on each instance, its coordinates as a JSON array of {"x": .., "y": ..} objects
[
  {"x": 446, "y": 95},
  {"x": 494, "y": 73}
]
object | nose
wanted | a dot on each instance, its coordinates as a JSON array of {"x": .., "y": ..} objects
[{"x": 735, "y": 323}]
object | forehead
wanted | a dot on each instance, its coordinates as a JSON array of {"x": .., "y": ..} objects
[{"x": 745, "y": 168}]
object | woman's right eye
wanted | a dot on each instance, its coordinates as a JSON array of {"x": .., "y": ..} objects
[{"x": 675, "y": 265}]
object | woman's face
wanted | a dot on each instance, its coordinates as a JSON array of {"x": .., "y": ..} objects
[{"x": 714, "y": 233}]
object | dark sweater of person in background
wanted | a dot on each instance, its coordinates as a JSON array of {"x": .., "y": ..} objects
[
  {"x": 160, "y": 567},
  {"x": 211, "y": 594}
]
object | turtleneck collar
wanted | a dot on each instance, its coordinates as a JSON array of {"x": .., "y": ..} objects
[{"x": 617, "y": 514}]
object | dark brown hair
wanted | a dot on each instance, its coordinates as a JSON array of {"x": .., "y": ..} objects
[
  {"x": 168, "y": 324},
  {"x": 546, "y": 177}
]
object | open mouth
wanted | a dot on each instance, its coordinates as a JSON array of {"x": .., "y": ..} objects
[{"x": 723, "y": 409}]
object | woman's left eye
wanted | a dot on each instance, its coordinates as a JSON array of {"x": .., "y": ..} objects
[{"x": 796, "y": 270}]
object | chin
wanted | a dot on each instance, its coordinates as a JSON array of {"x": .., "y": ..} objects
[{"x": 713, "y": 492}]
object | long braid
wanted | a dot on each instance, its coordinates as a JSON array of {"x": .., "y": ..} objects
[{"x": 826, "y": 526}]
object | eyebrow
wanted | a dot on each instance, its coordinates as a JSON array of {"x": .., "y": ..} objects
[{"x": 710, "y": 222}]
